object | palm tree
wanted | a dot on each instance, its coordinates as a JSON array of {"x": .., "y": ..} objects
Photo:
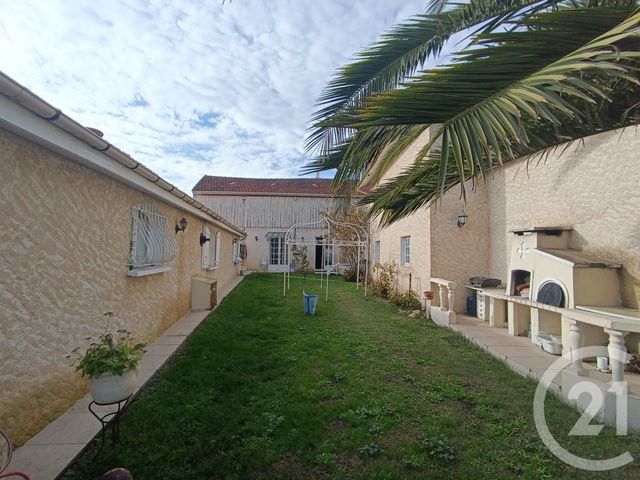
[{"x": 534, "y": 76}]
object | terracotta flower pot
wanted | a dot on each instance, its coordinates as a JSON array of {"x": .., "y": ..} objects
[{"x": 428, "y": 295}]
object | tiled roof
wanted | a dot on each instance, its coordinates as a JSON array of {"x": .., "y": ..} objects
[{"x": 264, "y": 186}]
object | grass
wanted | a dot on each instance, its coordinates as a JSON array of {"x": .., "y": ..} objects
[{"x": 357, "y": 391}]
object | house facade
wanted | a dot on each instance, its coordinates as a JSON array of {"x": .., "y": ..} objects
[
  {"x": 561, "y": 235},
  {"x": 266, "y": 209},
  {"x": 87, "y": 230},
  {"x": 591, "y": 188}
]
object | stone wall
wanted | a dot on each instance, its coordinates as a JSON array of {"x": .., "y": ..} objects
[
  {"x": 592, "y": 188},
  {"x": 417, "y": 226},
  {"x": 459, "y": 253},
  {"x": 63, "y": 262}
]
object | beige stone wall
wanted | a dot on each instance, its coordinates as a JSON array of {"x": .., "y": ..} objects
[
  {"x": 417, "y": 226},
  {"x": 63, "y": 262},
  {"x": 591, "y": 188},
  {"x": 460, "y": 253}
]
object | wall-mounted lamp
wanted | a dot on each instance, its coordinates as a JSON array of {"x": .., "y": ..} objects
[
  {"x": 462, "y": 219},
  {"x": 256, "y": 238},
  {"x": 235, "y": 240},
  {"x": 182, "y": 225},
  {"x": 302, "y": 239},
  {"x": 204, "y": 239}
]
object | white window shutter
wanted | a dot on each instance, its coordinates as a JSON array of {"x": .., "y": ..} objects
[
  {"x": 218, "y": 241},
  {"x": 206, "y": 260}
]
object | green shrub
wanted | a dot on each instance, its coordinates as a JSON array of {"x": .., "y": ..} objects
[
  {"x": 349, "y": 275},
  {"x": 385, "y": 284},
  {"x": 406, "y": 301},
  {"x": 109, "y": 355}
]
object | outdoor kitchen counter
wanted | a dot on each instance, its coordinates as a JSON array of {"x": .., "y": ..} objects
[{"x": 616, "y": 318}]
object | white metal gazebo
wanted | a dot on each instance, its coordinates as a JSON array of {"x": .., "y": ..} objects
[{"x": 323, "y": 233}]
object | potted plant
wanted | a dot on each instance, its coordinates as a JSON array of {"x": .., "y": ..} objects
[{"x": 111, "y": 365}]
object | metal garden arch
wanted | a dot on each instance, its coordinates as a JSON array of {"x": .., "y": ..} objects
[{"x": 295, "y": 237}]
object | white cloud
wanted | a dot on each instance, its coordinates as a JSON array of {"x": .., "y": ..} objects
[{"x": 192, "y": 88}]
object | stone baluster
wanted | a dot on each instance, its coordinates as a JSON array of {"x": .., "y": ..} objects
[
  {"x": 575, "y": 342},
  {"x": 443, "y": 297},
  {"x": 617, "y": 354},
  {"x": 450, "y": 297}
]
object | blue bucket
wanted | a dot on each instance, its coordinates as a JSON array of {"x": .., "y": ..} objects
[{"x": 310, "y": 303}]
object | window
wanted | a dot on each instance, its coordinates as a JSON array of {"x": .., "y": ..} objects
[
  {"x": 236, "y": 251},
  {"x": 328, "y": 256},
  {"x": 151, "y": 243},
  {"x": 405, "y": 250},
  {"x": 376, "y": 251},
  {"x": 277, "y": 249},
  {"x": 211, "y": 250}
]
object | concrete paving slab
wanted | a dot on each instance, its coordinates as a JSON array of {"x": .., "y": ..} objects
[
  {"x": 518, "y": 353},
  {"x": 69, "y": 428},
  {"x": 161, "y": 349},
  {"x": 165, "y": 339},
  {"x": 152, "y": 362},
  {"x": 182, "y": 328},
  {"x": 44, "y": 462},
  {"x": 145, "y": 374}
]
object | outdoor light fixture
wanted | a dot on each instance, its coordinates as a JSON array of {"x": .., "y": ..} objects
[
  {"x": 462, "y": 219},
  {"x": 204, "y": 239},
  {"x": 235, "y": 240},
  {"x": 182, "y": 225},
  {"x": 256, "y": 238}
]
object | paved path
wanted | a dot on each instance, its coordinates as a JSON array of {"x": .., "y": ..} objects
[
  {"x": 518, "y": 353},
  {"x": 47, "y": 454}
]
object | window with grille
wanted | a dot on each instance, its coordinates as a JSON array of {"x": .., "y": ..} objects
[
  {"x": 152, "y": 242},
  {"x": 277, "y": 248},
  {"x": 376, "y": 251},
  {"x": 405, "y": 250}
]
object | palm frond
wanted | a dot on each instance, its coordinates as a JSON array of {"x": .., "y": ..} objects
[
  {"x": 486, "y": 122},
  {"x": 399, "y": 54},
  {"x": 437, "y": 171}
]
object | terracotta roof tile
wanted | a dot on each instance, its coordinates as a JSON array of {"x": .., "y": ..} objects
[{"x": 264, "y": 186}]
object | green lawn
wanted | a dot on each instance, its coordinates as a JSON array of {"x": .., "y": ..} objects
[{"x": 358, "y": 391}]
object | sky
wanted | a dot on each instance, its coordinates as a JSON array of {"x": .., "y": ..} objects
[{"x": 192, "y": 87}]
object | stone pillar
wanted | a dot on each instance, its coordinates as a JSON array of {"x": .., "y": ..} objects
[
  {"x": 451, "y": 298},
  {"x": 617, "y": 354},
  {"x": 443, "y": 297},
  {"x": 575, "y": 342},
  {"x": 496, "y": 312},
  {"x": 535, "y": 325}
]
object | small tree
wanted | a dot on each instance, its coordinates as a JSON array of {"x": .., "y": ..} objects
[
  {"x": 302, "y": 260},
  {"x": 350, "y": 254},
  {"x": 386, "y": 283}
]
